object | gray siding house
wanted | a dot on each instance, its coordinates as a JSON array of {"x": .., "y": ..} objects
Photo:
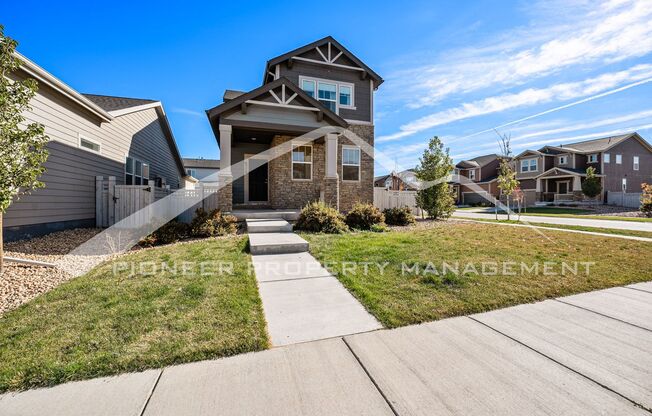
[
  {"x": 321, "y": 84},
  {"x": 91, "y": 135},
  {"x": 204, "y": 170}
]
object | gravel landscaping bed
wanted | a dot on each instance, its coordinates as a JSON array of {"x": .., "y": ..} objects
[{"x": 19, "y": 283}]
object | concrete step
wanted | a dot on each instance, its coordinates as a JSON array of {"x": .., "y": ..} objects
[
  {"x": 267, "y": 214},
  {"x": 275, "y": 225},
  {"x": 276, "y": 243}
]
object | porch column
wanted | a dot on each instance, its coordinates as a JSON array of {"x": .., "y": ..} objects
[
  {"x": 225, "y": 149},
  {"x": 331, "y": 155},
  {"x": 539, "y": 185},
  {"x": 577, "y": 184},
  {"x": 331, "y": 183},
  {"x": 225, "y": 177}
]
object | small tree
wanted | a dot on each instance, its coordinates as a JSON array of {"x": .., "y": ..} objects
[
  {"x": 435, "y": 196},
  {"x": 591, "y": 186},
  {"x": 507, "y": 182},
  {"x": 646, "y": 199},
  {"x": 22, "y": 149}
]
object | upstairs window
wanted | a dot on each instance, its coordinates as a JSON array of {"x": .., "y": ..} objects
[
  {"x": 529, "y": 165},
  {"x": 332, "y": 94},
  {"x": 593, "y": 158},
  {"x": 350, "y": 163},
  {"x": 563, "y": 160},
  {"x": 472, "y": 174},
  {"x": 192, "y": 172},
  {"x": 302, "y": 163},
  {"x": 636, "y": 163},
  {"x": 619, "y": 159},
  {"x": 607, "y": 158}
]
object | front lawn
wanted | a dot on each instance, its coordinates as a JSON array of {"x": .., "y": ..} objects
[
  {"x": 613, "y": 231},
  {"x": 399, "y": 298},
  {"x": 562, "y": 212},
  {"x": 104, "y": 323}
]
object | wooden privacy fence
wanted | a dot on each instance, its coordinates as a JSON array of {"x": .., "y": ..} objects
[
  {"x": 630, "y": 199},
  {"x": 115, "y": 203},
  {"x": 384, "y": 198}
]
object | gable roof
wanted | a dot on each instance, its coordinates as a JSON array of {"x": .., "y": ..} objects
[
  {"x": 324, "y": 41},
  {"x": 201, "y": 163},
  {"x": 214, "y": 112},
  {"x": 597, "y": 145},
  {"x": 231, "y": 94},
  {"x": 478, "y": 161},
  {"x": 112, "y": 103}
]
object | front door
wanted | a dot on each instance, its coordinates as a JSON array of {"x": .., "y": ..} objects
[
  {"x": 562, "y": 187},
  {"x": 256, "y": 178}
]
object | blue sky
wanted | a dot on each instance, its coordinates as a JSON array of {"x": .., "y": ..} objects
[{"x": 452, "y": 70}]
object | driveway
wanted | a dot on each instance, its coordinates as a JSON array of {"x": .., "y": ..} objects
[
  {"x": 586, "y": 354},
  {"x": 584, "y": 222}
]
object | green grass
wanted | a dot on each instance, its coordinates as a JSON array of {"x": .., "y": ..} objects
[
  {"x": 398, "y": 299},
  {"x": 101, "y": 324},
  {"x": 633, "y": 233},
  {"x": 565, "y": 213}
]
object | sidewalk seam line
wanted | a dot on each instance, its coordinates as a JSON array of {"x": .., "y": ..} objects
[
  {"x": 561, "y": 364},
  {"x": 296, "y": 278},
  {"x": 151, "y": 393},
  {"x": 602, "y": 314},
  {"x": 373, "y": 381},
  {"x": 640, "y": 290}
]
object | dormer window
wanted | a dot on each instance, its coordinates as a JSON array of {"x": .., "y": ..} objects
[
  {"x": 332, "y": 94},
  {"x": 563, "y": 160}
]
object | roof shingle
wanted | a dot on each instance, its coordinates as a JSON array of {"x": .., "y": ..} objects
[{"x": 111, "y": 103}]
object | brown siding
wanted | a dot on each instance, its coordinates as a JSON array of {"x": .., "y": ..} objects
[
  {"x": 615, "y": 173},
  {"x": 490, "y": 169}
]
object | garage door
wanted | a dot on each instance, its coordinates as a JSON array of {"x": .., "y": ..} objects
[{"x": 469, "y": 198}]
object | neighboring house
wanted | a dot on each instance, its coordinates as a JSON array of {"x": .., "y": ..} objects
[
  {"x": 556, "y": 173},
  {"x": 91, "y": 135},
  {"x": 204, "y": 170},
  {"x": 318, "y": 85},
  {"x": 402, "y": 181},
  {"x": 483, "y": 171}
]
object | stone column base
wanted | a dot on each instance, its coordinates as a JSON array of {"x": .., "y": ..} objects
[
  {"x": 331, "y": 192},
  {"x": 225, "y": 194},
  {"x": 578, "y": 195}
]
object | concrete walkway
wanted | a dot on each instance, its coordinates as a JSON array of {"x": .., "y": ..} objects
[
  {"x": 586, "y": 354},
  {"x": 611, "y": 224},
  {"x": 302, "y": 300}
]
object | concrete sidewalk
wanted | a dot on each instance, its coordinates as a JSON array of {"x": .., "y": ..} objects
[
  {"x": 611, "y": 224},
  {"x": 586, "y": 354}
]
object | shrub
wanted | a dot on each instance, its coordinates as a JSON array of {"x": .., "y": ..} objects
[
  {"x": 170, "y": 233},
  {"x": 363, "y": 216},
  {"x": 320, "y": 218},
  {"x": 591, "y": 187},
  {"x": 399, "y": 216},
  {"x": 646, "y": 200},
  {"x": 379, "y": 228},
  {"x": 212, "y": 224}
]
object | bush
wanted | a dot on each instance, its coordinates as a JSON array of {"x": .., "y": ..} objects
[
  {"x": 646, "y": 200},
  {"x": 379, "y": 228},
  {"x": 363, "y": 216},
  {"x": 212, "y": 224},
  {"x": 399, "y": 216},
  {"x": 320, "y": 218},
  {"x": 169, "y": 233}
]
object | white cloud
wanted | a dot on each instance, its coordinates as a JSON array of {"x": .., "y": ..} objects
[
  {"x": 188, "y": 112},
  {"x": 531, "y": 96},
  {"x": 588, "y": 33}
]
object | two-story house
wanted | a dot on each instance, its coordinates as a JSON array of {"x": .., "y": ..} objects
[
  {"x": 203, "y": 170},
  {"x": 483, "y": 171},
  {"x": 320, "y": 85},
  {"x": 556, "y": 173},
  {"x": 398, "y": 181}
]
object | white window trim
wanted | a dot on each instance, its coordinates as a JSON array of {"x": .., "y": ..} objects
[
  {"x": 564, "y": 158},
  {"x": 606, "y": 158},
  {"x": 82, "y": 136},
  {"x": 359, "y": 165},
  {"x": 529, "y": 169},
  {"x": 636, "y": 163},
  {"x": 142, "y": 164},
  {"x": 292, "y": 162},
  {"x": 619, "y": 159},
  {"x": 338, "y": 84},
  {"x": 592, "y": 155},
  {"x": 192, "y": 172},
  {"x": 472, "y": 174}
]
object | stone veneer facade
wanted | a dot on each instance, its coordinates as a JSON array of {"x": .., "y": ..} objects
[{"x": 287, "y": 193}]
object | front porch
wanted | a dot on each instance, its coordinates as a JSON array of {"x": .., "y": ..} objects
[{"x": 560, "y": 186}]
